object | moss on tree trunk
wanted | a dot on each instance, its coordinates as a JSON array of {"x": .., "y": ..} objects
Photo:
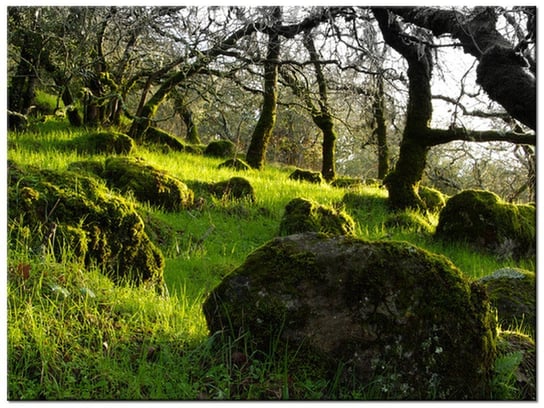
[{"x": 256, "y": 152}]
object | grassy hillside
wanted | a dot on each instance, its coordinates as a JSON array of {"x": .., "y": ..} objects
[{"x": 73, "y": 334}]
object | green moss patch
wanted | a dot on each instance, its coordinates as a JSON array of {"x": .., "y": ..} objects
[
  {"x": 147, "y": 183},
  {"x": 302, "y": 215},
  {"x": 235, "y": 188},
  {"x": 482, "y": 219},
  {"x": 220, "y": 148},
  {"x": 104, "y": 142},
  {"x": 68, "y": 210},
  {"x": 306, "y": 175},
  {"x": 512, "y": 292},
  {"x": 159, "y": 137},
  {"x": 381, "y": 313},
  {"x": 434, "y": 200},
  {"x": 236, "y": 164}
]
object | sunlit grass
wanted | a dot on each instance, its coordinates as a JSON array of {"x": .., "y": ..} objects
[{"x": 129, "y": 342}]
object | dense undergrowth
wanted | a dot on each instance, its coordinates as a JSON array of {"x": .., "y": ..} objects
[{"x": 73, "y": 334}]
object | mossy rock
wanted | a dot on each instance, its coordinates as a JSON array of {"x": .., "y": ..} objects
[
  {"x": 347, "y": 182},
  {"x": 482, "y": 219},
  {"x": 236, "y": 164},
  {"x": 512, "y": 292},
  {"x": 409, "y": 220},
  {"x": 434, "y": 200},
  {"x": 515, "y": 344},
  {"x": 220, "y": 148},
  {"x": 104, "y": 143},
  {"x": 382, "y": 313},
  {"x": 303, "y": 215},
  {"x": 306, "y": 175},
  {"x": 69, "y": 210},
  {"x": 147, "y": 183},
  {"x": 235, "y": 188},
  {"x": 160, "y": 137}
]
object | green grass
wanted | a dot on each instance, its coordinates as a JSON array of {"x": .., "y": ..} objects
[{"x": 129, "y": 343}]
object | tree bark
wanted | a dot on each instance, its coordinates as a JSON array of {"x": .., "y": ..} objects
[
  {"x": 256, "y": 152},
  {"x": 381, "y": 129},
  {"x": 323, "y": 118},
  {"x": 403, "y": 182},
  {"x": 502, "y": 72}
]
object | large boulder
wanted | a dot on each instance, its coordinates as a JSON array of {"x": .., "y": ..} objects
[
  {"x": 220, "y": 148},
  {"x": 482, "y": 219},
  {"x": 304, "y": 215},
  {"x": 147, "y": 183},
  {"x": 76, "y": 213},
  {"x": 384, "y": 313},
  {"x": 512, "y": 292}
]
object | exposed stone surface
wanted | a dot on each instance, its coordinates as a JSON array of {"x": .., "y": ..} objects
[{"x": 389, "y": 313}]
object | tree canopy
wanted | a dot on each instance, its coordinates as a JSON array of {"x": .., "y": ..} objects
[{"x": 309, "y": 86}]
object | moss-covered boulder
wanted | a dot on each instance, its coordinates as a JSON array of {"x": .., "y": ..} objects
[
  {"x": 303, "y": 215},
  {"x": 147, "y": 183},
  {"x": 160, "y": 137},
  {"x": 382, "y": 313},
  {"x": 106, "y": 142},
  {"x": 90, "y": 167},
  {"x": 235, "y": 164},
  {"x": 347, "y": 182},
  {"x": 68, "y": 211},
  {"x": 306, "y": 175},
  {"x": 235, "y": 188},
  {"x": 220, "y": 148},
  {"x": 518, "y": 349},
  {"x": 434, "y": 200},
  {"x": 482, "y": 219},
  {"x": 512, "y": 292}
]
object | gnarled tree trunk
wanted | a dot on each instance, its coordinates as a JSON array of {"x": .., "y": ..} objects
[{"x": 256, "y": 152}]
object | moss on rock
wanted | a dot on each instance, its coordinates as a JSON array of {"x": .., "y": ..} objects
[
  {"x": 512, "y": 292},
  {"x": 147, "y": 183},
  {"x": 105, "y": 142},
  {"x": 235, "y": 188},
  {"x": 482, "y": 219},
  {"x": 306, "y": 175},
  {"x": 236, "y": 164},
  {"x": 434, "y": 200},
  {"x": 220, "y": 148},
  {"x": 160, "y": 137},
  {"x": 388, "y": 313},
  {"x": 68, "y": 210},
  {"x": 303, "y": 215}
]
